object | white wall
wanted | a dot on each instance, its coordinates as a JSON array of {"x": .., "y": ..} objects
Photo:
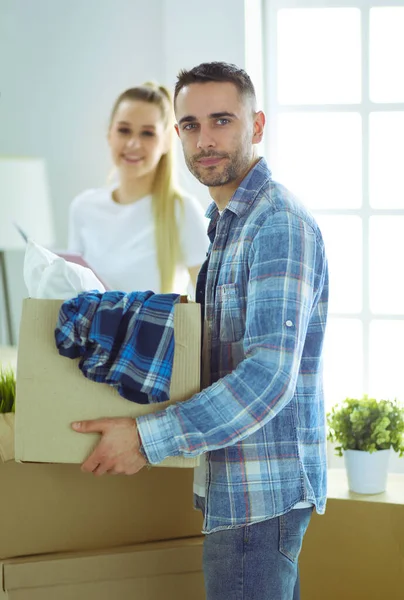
[
  {"x": 196, "y": 32},
  {"x": 62, "y": 64}
]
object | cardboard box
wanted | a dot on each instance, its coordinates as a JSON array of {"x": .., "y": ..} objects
[
  {"x": 56, "y": 508},
  {"x": 356, "y": 550},
  {"x": 52, "y": 392},
  {"x": 6, "y": 437},
  {"x": 168, "y": 570}
]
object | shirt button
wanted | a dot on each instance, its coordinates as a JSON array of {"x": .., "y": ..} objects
[{"x": 289, "y": 323}]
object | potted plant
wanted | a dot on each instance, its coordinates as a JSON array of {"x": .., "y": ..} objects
[
  {"x": 366, "y": 430},
  {"x": 7, "y": 407},
  {"x": 7, "y": 391}
]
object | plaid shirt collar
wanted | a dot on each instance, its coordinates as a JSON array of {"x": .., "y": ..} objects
[{"x": 245, "y": 195}]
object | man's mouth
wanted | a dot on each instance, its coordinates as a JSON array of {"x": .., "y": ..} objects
[{"x": 210, "y": 161}]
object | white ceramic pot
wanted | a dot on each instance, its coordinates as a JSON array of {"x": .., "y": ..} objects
[{"x": 367, "y": 472}]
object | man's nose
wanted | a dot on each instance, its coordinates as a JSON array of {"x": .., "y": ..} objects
[{"x": 205, "y": 139}]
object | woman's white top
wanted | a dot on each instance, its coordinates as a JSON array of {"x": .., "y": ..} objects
[{"x": 117, "y": 240}]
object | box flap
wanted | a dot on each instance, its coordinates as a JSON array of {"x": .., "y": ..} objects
[
  {"x": 143, "y": 560},
  {"x": 52, "y": 392}
]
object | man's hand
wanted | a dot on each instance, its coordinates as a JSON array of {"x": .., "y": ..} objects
[{"x": 118, "y": 450}]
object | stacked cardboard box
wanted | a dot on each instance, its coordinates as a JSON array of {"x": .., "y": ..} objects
[
  {"x": 356, "y": 550},
  {"x": 65, "y": 534},
  {"x": 57, "y": 508},
  {"x": 162, "y": 570}
]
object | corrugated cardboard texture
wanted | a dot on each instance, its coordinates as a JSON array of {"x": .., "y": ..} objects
[
  {"x": 354, "y": 552},
  {"x": 169, "y": 570},
  {"x": 52, "y": 392},
  {"x": 57, "y": 508}
]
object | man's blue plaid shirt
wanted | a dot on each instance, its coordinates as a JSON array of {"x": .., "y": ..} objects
[{"x": 261, "y": 420}]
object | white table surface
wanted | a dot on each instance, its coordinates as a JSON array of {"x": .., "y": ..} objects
[
  {"x": 8, "y": 356},
  {"x": 338, "y": 489}
]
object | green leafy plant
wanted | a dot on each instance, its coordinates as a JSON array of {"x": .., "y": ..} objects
[
  {"x": 7, "y": 390},
  {"x": 367, "y": 424}
]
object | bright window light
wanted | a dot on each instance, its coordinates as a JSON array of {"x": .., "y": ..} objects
[
  {"x": 319, "y": 56},
  {"x": 335, "y": 137},
  {"x": 386, "y": 359},
  {"x": 343, "y": 360},
  {"x": 386, "y": 158},
  {"x": 386, "y": 250},
  {"x": 386, "y": 54},
  {"x": 345, "y": 261},
  {"x": 319, "y": 157}
]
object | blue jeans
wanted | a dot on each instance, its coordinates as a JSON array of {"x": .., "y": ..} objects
[{"x": 258, "y": 562}]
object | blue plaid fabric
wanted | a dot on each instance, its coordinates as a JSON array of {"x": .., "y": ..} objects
[
  {"x": 124, "y": 340},
  {"x": 260, "y": 418}
]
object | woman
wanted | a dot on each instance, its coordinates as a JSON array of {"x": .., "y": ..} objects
[{"x": 142, "y": 233}]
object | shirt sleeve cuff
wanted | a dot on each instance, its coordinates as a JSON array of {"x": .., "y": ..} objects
[{"x": 158, "y": 436}]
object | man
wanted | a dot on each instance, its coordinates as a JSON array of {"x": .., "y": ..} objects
[{"x": 260, "y": 417}]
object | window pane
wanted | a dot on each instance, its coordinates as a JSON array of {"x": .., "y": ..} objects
[
  {"x": 343, "y": 363},
  {"x": 386, "y": 254},
  {"x": 386, "y": 159},
  {"x": 386, "y": 54},
  {"x": 387, "y": 359},
  {"x": 343, "y": 240},
  {"x": 319, "y": 157},
  {"x": 314, "y": 66}
]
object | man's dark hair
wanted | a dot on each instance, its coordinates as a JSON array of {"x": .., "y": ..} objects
[{"x": 217, "y": 71}]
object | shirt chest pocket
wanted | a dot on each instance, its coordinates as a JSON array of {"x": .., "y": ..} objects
[{"x": 232, "y": 312}]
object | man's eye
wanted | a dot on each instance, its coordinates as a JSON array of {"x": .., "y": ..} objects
[
  {"x": 189, "y": 127},
  {"x": 124, "y": 130},
  {"x": 223, "y": 121}
]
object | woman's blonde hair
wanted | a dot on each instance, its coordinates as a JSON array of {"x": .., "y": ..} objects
[{"x": 165, "y": 195}]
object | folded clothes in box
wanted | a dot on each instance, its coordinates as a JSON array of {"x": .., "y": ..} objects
[{"x": 52, "y": 392}]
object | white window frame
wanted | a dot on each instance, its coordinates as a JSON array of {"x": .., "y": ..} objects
[{"x": 364, "y": 108}]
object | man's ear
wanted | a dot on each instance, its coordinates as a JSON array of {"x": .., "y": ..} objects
[
  {"x": 177, "y": 129},
  {"x": 259, "y": 126}
]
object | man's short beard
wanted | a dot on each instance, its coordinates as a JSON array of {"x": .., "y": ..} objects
[
  {"x": 211, "y": 178},
  {"x": 238, "y": 163}
]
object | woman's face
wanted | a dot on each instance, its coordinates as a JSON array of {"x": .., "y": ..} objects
[{"x": 137, "y": 138}]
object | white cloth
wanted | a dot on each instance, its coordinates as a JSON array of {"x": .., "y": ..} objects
[
  {"x": 47, "y": 275},
  {"x": 200, "y": 477},
  {"x": 117, "y": 240}
]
